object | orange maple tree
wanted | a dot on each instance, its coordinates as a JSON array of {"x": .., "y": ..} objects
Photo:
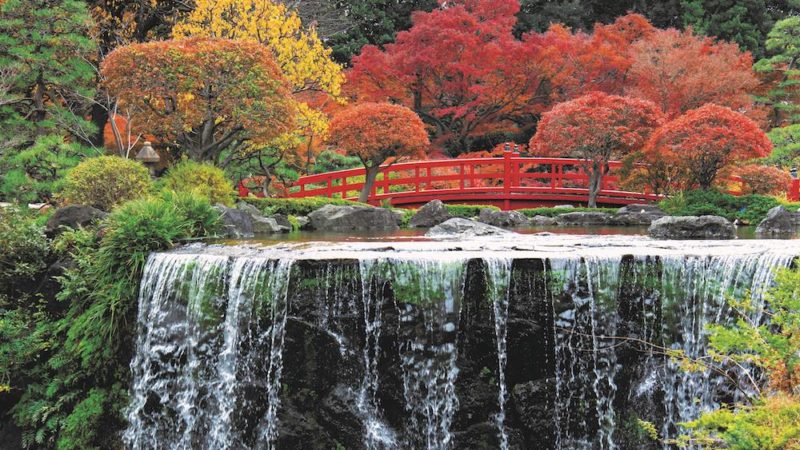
[
  {"x": 202, "y": 95},
  {"x": 700, "y": 143},
  {"x": 377, "y": 133},
  {"x": 595, "y": 128},
  {"x": 679, "y": 71}
]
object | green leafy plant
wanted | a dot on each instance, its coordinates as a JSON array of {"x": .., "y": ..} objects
[
  {"x": 468, "y": 211},
  {"x": 24, "y": 252},
  {"x": 747, "y": 208},
  {"x": 199, "y": 178},
  {"x": 105, "y": 182}
]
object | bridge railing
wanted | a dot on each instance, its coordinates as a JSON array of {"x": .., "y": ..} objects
[{"x": 501, "y": 179}]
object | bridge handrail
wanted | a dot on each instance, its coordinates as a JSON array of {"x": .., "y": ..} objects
[{"x": 511, "y": 175}]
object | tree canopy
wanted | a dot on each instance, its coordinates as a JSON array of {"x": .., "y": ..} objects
[
  {"x": 705, "y": 140},
  {"x": 203, "y": 95},
  {"x": 596, "y": 128},
  {"x": 377, "y": 132}
]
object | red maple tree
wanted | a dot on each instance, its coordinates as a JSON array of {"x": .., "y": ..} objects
[
  {"x": 377, "y": 133},
  {"x": 705, "y": 140},
  {"x": 461, "y": 69},
  {"x": 595, "y": 128}
]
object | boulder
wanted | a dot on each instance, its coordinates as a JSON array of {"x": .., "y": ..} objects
[
  {"x": 72, "y": 216},
  {"x": 692, "y": 227},
  {"x": 236, "y": 223},
  {"x": 506, "y": 219},
  {"x": 432, "y": 214},
  {"x": 248, "y": 208},
  {"x": 779, "y": 221},
  {"x": 465, "y": 228},
  {"x": 583, "y": 218},
  {"x": 352, "y": 218},
  {"x": 269, "y": 225},
  {"x": 283, "y": 222},
  {"x": 637, "y": 215},
  {"x": 303, "y": 222},
  {"x": 542, "y": 221}
]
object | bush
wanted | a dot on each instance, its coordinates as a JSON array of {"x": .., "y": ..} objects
[
  {"x": 552, "y": 212},
  {"x": 468, "y": 211},
  {"x": 105, "y": 182},
  {"x": 33, "y": 174},
  {"x": 76, "y": 359},
  {"x": 24, "y": 251},
  {"x": 750, "y": 209},
  {"x": 296, "y": 206},
  {"x": 765, "y": 180},
  {"x": 199, "y": 178}
]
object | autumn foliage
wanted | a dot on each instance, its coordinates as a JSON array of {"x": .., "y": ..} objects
[
  {"x": 765, "y": 180},
  {"x": 202, "y": 95},
  {"x": 377, "y": 132},
  {"x": 595, "y": 128},
  {"x": 703, "y": 141}
]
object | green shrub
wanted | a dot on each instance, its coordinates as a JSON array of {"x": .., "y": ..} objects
[
  {"x": 24, "y": 251},
  {"x": 105, "y": 182},
  {"x": 76, "y": 358},
  {"x": 552, "y": 212},
  {"x": 750, "y": 209},
  {"x": 34, "y": 174},
  {"x": 200, "y": 178},
  {"x": 468, "y": 211},
  {"x": 296, "y": 206}
]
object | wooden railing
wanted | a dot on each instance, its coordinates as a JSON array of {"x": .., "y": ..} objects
[{"x": 510, "y": 181}]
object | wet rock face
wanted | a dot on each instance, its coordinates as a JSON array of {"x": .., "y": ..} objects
[
  {"x": 352, "y": 218},
  {"x": 464, "y": 228},
  {"x": 779, "y": 221},
  {"x": 692, "y": 227},
  {"x": 72, "y": 216},
  {"x": 432, "y": 214},
  {"x": 236, "y": 223},
  {"x": 504, "y": 219}
]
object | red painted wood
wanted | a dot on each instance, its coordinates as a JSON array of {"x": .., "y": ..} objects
[{"x": 509, "y": 182}]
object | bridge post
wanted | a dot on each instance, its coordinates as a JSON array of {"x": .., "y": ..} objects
[
  {"x": 508, "y": 176},
  {"x": 794, "y": 190}
]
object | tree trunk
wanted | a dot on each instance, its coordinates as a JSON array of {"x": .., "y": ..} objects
[
  {"x": 369, "y": 181},
  {"x": 595, "y": 177},
  {"x": 100, "y": 117}
]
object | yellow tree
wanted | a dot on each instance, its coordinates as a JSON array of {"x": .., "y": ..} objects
[{"x": 305, "y": 62}]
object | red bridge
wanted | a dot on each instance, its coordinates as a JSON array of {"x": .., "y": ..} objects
[{"x": 510, "y": 182}]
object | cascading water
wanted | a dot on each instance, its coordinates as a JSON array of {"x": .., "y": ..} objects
[{"x": 433, "y": 345}]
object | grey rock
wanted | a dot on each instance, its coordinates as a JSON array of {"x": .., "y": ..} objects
[
  {"x": 692, "y": 227},
  {"x": 505, "y": 219},
  {"x": 399, "y": 215},
  {"x": 583, "y": 218},
  {"x": 432, "y": 214},
  {"x": 268, "y": 225},
  {"x": 465, "y": 228},
  {"x": 541, "y": 221},
  {"x": 283, "y": 221},
  {"x": 303, "y": 222},
  {"x": 352, "y": 218},
  {"x": 637, "y": 215},
  {"x": 248, "y": 208},
  {"x": 779, "y": 221},
  {"x": 235, "y": 222},
  {"x": 564, "y": 206},
  {"x": 72, "y": 216}
]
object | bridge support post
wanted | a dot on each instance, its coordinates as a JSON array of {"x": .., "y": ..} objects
[{"x": 507, "y": 179}]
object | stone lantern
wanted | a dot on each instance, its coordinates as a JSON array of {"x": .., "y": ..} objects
[{"x": 148, "y": 157}]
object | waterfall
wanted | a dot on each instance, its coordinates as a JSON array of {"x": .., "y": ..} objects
[
  {"x": 498, "y": 272},
  {"x": 208, "y": 327},
  {"x": 254, "y": 347}
]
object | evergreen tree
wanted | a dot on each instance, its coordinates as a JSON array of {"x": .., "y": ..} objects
[
  {"x": 374, "y": 22},
  {"x": 781, "y": 72},
  {"x": 745, "y": 22},
  {"x": 46, "y": 87}
]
